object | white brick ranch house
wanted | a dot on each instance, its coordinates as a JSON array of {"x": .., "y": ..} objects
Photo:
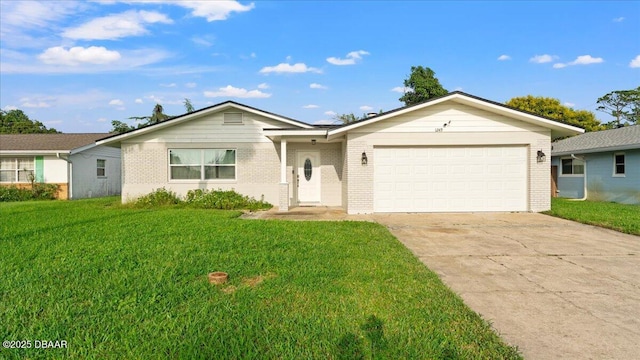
[{"x": 456, "y": 153}]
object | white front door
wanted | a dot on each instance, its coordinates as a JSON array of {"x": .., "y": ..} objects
[{"x": 308, "y": 177}]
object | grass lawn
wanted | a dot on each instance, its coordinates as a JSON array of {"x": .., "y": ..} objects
[
  {"x": 620, "y": 217},
  {"x": 121, "y": 283}
]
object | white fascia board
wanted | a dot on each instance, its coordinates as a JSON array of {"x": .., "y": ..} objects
[
  {"x": 82, "y": 148},
  {"x": 33, "y": 152},
  {"x": 530, "y": 118},
  {"x": 187, "y": 117},
  {"x": 375, "y": 119},
  {"x": 293, "y": 133},
  {"x": 272, "y": 116},
  {"x": 562, "y": 129}
]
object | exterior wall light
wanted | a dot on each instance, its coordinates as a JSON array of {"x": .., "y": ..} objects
[
  {"x": 313, "y": 141},
  {"x": 364, "y": 158},
  {"x": 541, "y": 156}
]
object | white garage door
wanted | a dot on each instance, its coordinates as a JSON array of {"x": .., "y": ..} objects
[{"x": 450, "y": 179}]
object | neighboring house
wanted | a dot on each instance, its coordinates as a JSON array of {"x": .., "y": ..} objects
[
  {"x": 456, "y": 153},
  {"x": 73, "y": 161},
  {"x": 600, "y": 165}
]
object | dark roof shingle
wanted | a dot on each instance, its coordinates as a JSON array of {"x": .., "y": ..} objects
[{"x": 63, "y": 142}]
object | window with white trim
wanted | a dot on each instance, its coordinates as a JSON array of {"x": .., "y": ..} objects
[
  {"x": 18, "y": 169},
  {"x": 572, "y": 166},
  {"x": 101, "y": 167},
  {"x": 618, "y": 164},
  {"x": 202, "y": 164}
]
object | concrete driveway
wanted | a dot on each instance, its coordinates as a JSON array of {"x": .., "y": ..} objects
[{"x": 553, "y": 288}]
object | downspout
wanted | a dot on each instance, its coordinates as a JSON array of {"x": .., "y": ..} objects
[
  {"x": 69, "y": 175},
  {"x": 584, "y": 161}
]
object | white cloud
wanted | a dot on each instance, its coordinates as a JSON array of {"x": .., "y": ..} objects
[
  {"x": 76, "y": 55},
  {"x": 586, "y": 60},
  {"x": 635, "y": 63},
  {"x": 138, "y": 101},
  {"x": 190, "y": 85},
  {"x": 9, "y": 108},
  {"x": 230, "y": 91},
  {"x": 366, "y": 108},
  {"x": 324, "y": 122},
  {"x": 202, "y": 41},
  {"x": 310, "y": 106},
  {"x": 212, "y": 10},
  {"x": 169, "y": 85},
  {"x": 317, "y": 86},
  {"x": 541, "y": 59},
  {"x": 401, "y": 89},
  {"x": 351, "y": 58},
  {"x": 111, "y": 27},
  {"x": 330, "y": 113},
  {"x": 35, "y": 14},
  {"x": 116, "y": 102},
  {"x": 39, "y": 104},
  {"x": 618, "y": 19},
  {"x": 263, "y": 86},
  {"x": 504, "y": 57},
  {"x": 102, "y": 119},
  {"x": 580, "y": 60},
  {"x": 569, "y": 104},
  {"x": 288, "y": 68},
  {"x": 253, "y": 55}
]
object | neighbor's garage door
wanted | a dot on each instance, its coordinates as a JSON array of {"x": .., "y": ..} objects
[{"x": 450, "y": 179}]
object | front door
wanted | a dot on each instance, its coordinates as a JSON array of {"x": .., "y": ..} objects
[{"x": 308, "y": 177}]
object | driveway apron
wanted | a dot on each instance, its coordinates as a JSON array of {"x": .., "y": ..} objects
[{"x": 553, "y": 288}]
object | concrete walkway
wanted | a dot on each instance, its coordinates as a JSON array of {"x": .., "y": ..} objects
[{"x": 556, "y": 289}]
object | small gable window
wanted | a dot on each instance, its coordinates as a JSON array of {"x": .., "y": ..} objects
[
  {"x": 101, "y": 168},
  {"x": 618, "y": 164},
  {"x": 233, "y": 118},
  {"x": 572, "y": 167}
]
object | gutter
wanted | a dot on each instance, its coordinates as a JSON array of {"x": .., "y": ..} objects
[
  {"x": 70, "y": 175},
  {"x": 584, "y": 160}
]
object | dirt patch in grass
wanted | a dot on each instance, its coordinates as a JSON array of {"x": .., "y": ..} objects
[{"x": 257, "y": 280}]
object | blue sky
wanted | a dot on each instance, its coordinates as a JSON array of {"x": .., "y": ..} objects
[{"x": 76, "y": 66}]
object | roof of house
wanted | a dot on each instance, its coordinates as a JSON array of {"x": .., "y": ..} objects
[
  {"x": 47, "y": 142},
  {"x": 558, "y": 128},
  {"x": 623, "y": 138}
]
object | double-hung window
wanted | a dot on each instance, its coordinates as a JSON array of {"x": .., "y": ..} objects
[
  {"x": 202, "y": 164},
  {"x": 572, "y": 166},
  {"x": 16, "y": 169},
  {"x": 618, "y": 164},
  {"x": 101, "y": 168}
]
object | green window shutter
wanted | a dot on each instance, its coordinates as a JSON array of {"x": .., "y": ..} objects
[{"x": 39, "y": 169}]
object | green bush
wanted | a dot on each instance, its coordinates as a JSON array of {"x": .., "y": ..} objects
[
  {"x": 158, "y": 197},
  {"x": 38, "y": 191},
  {"x": 224, "y": 200}
]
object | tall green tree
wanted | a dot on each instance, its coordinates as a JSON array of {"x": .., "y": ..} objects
[
  {"x": 188, "y": 106},
  {"x": 423, "y": 86},
  {"x": 17, "y": 122},
  {"x": 623, "y": 105},
  {"x": 553, "y": 109}
]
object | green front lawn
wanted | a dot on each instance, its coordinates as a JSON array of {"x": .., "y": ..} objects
[
  {"x": 620, "y": 217},
  {"x": 121, "y": 283}
]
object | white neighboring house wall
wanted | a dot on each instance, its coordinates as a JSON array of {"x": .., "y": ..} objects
[
  {"x": 86, "y": 183},
  {"x": 55, "y": 170}
]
